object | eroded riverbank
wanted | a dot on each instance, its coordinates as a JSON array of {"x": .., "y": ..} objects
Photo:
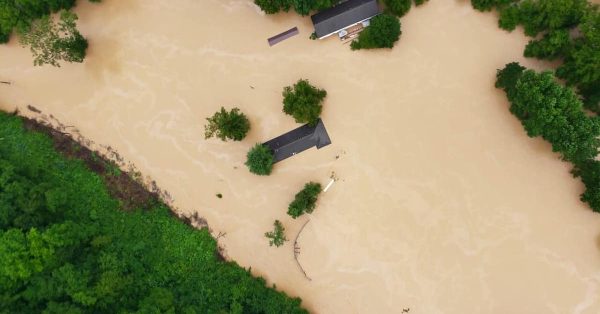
[{"x": 443, "y": 204}]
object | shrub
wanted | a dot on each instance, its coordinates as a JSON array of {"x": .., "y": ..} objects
[
  {"x": 227, "y": 125},
  {"x": 305, "y": 200},
  {"x": 303, "y": 102},
  {"x": 383, "y": 32},
  {"x": 260, "y": 160},
  {"x": 277, "y": 236}
]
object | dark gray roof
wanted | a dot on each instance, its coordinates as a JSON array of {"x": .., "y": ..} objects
[
  {"x": 343, "y": 15},
  {"x": 299, "y": 140},
  {"x": 283, "y": 36}
]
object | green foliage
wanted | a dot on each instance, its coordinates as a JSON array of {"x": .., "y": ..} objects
[
  {"x": 273, "y": 6},
  {"x": 419, "y": 2},
  {"x": 554, "y": 112},
  {"x": 260, "y": 160},
  {"x": 227, "y": 125},
  {"x": 398, "y": 7},
  {"x": 277, "y": 236},
  {"x": 589, "y": 172},
  {"x": 509, "y": 18},
  {"x": 305, "y": 200},
  {"x": 302, "y": 7},
  {"x": 581, "y": 66},
  {"x": 67, "y": 247},
  {"x": 51, "y": 43},
  {"x": 486, "y": 5},
  {"x": 383, "y": 32},
  {"x": 540, "y": 15},
  {"x": 507, "y": 78},
  {"x": 552, "y": 46},
  {"x": 303, "y": 102},
  {"x": 19, "y": 14},
  {"x": 555, "y": 19}
]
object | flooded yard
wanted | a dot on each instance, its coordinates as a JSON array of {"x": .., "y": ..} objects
[{"x": 443, "y": 204}]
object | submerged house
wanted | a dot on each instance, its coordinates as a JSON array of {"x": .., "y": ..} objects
[
  {"x": 298, "y": 140},
  {"x": 346, "y": 19}
]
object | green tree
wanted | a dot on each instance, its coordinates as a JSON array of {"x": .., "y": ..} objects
[
  {"x": 509, "y": 18},
  {"x": 486, "y": 5},
  {"x": 303, "y": 102},
  {"x": 420, "y": 2},
  {"x": 553, "y": 45},
  {"x": 273, "y": 6},
  {"x": 383, "y": 32},
  {"x": 277, "y": 236},
  {"x": 552, "y": 111},
  {"x": 51, "y": 43},
  {"x": 508, "y": 77},
  {"x": 398, "y": 7},
  {"x": 582, "y": 65},
  {"x": 305, "y": 200},
  {"x": 589, "y": 172},
  {"x": 225, "y": 125},
  {"x": 302, "y": 7},
  {"x": 260, "y": 160}
]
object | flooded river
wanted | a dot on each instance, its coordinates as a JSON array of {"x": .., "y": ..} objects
[{"x": 443, "y": 204}]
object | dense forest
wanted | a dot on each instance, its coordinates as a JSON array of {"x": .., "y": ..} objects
[
  {"x": 554, "y": 112},
  {"x": 564, "y": 30},
  {"x": 67, "y": 245}
]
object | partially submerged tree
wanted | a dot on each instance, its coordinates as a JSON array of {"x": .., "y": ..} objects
[
  {"x": 553, "y": 45},
  {"x": 398, "y": 7},
  {"x": 302, "y": 7},
  {"x": 225, "y": 125},
  {"x": 552, "y": 111},
  {"x": 303, "y": 102},
  {"x": 277, "y": 236},
  {"x": 383, "y": 32},
  {"x": 305, "y": 200},
  {"x": 52, "y": 42},
  {"x": 260, "y": 160},
  {"x": 589, "y": 172}
]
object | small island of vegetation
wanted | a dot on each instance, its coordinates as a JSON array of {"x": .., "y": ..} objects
[{"x": 305, "y": 201}]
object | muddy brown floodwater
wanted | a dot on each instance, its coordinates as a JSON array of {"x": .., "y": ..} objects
[{"x": 443, "y": 204}]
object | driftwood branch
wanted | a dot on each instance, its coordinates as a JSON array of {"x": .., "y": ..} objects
[
  {"x": 297, "y": 251},
  {"x": 5, "y": 82}
]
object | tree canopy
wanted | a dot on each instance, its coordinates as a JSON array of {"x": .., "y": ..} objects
[
  {"x": 398, "y": 7},
  {"x": 302, "y": 7},
  {"x": 570, "y": 32},
  {"x": 554, "y": 112},
  {"x": 303, "y": 102},
  {"x": 52, "y": 42},
  {"x": 589, "y": 172},
  {"x": 68, "y": 247},
  {"x": 225, "y": 125},
  {"x": 305, "y": 200},
  {"x": 383, "y": 32},
  {"x": 260, "y": 160},
  {"x": 19, "y": 14}
]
